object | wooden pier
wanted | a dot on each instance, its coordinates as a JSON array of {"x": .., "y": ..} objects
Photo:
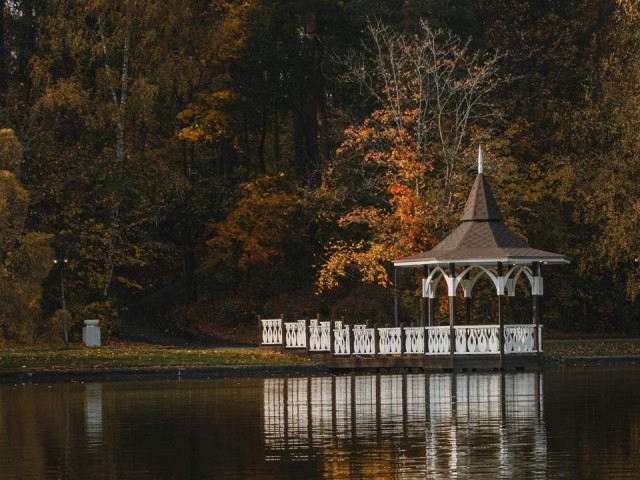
[{"x": 358, "y": 347}]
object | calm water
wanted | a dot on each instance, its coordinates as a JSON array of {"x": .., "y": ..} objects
[{"x": 573, "y": 423}]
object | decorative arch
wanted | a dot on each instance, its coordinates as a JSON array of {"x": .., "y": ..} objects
[
  {"x": 512, "y": 282},
  {"x": 493, "y": 276},
  {"x": 431, "y": 284}
]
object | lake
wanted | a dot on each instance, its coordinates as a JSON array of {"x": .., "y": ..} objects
[{"x": 562, "y": 423}]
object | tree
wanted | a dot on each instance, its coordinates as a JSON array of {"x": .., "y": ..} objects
[
  {"x": 600, "y": 173},
  {"x": 433, "y": 97},
  {"x": 26, "y": 257}
]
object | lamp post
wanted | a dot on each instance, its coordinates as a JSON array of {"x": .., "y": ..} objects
[{"x": 61, "y": 263}]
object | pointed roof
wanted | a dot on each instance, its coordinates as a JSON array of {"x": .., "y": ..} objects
[
  {"x": 481, "y": 205},
  {"x": 481, "y": 237}
]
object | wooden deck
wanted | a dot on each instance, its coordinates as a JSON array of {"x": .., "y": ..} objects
[{"x": 429, "y": 363}]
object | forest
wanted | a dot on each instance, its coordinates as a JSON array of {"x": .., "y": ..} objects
[{"x": 191, "y": 164}]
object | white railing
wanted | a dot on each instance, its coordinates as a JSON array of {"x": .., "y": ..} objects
[
  {"x": 295, "y": 334},
  {"x": 363, "y": 340},
  {"x": 341, "y": 344},
  {"x": 390, "y": 341},
  {"x": 414, "y": 340},
  {"x": 519, "y": 338},
  {"x": 483, "y": 339},
  {"x": 272, "y": 331},
  {"x": 438, "y": 340},
  {"x": 319, "y": 336}
]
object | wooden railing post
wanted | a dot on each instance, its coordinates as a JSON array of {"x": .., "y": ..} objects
[
  {"x": 284, "y": 333},
  {"x": 501, "y": 312},
  {"x": 403, "y": 338},
  {"x": 331, "y": 339},
  {"x": 260, "y": 332},
  {"x": 376, "y": 347},
  {"x": 351, "y": 339},
  {"x": 452, "y": 315},
  {"x": 307, "y": 334}
]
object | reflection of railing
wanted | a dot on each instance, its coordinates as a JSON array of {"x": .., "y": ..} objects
[
  {"x": 445, "y": 414},
  {"x": 340, "y": 339}
]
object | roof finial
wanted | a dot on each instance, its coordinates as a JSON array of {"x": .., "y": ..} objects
[{"x": 480, "y": 166}]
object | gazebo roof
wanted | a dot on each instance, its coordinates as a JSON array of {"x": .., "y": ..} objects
[{"x": 481, "y": 238}]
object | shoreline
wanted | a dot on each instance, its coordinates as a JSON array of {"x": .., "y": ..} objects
[{"x": 252, "y": 371}]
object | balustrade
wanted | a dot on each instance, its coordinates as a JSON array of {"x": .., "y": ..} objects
[
  {"x": 319, "y": 336},
  {"x": 414, "y": 339},
  {"x": 482, "y": 339},
  {"x": 341, "y": 345},
  {"x": 272, "y": 331},
  {"x": 390, "y": 341},
  {"x": 438, "y": 340},
  {"x": 295, "y": 334},
  {"x": 363, "y": 340},
  {"x": 519, "y": 338}
]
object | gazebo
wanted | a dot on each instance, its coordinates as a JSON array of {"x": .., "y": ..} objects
[{"x": 482, "y": 245}]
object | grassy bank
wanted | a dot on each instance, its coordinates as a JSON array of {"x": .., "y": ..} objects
[
  {"x": 137, "y": 355},
  {"x": 558, "y": 349},
  {"x": 13, "y": 360}
]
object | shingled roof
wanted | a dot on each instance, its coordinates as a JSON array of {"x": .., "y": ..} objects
[{"x": 481, "y": 237}]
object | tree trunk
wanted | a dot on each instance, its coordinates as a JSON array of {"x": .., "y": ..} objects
[
  {"x": 120, "y": 104},
  {"x": 27, "y": 46},
  {"x": 317, "y": 100},
  {"x": 4, "y": 71},
  {"x": 189, "y": 247},
  {"x": 263, "y": 139},
  {"x": 276, "y": 138}
]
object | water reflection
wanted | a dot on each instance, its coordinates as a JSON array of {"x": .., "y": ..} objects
[
  {"x": 93, "y": 413},
  {"x": 466, "y": 424},
  {"x": 561, "y": 424}
]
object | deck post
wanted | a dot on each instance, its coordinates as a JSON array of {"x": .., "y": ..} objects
[
  {"x": 260, "y": 328},
  {"x": 350, "y": 327},
  {"x": 376, "y": 337},
  {"x": 467, "y": 301},
  {"x": 395, "y": 296},
  {"x": 331, "y": 339},
  {"x": 536, "y": 302},
  {"x": 284, "y": 337},
  {"x": 402, "y": 340},
  {"x": 307, "y": 334},
  {"x": 452, "y": 311},
  {"x": 501, "y": 312},
  {"x": 423, "y": 300}
]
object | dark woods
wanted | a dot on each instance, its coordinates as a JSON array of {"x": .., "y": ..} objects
[{"x": 196, "y": 163}]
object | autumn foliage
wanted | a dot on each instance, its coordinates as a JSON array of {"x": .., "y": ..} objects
[{"x": 149, "y": 138}]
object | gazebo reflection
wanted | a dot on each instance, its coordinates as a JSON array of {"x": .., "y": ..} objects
[{"x": 373, "y": 424}]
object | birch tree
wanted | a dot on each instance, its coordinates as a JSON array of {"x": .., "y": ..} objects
[{"x": 433, "y": 104}]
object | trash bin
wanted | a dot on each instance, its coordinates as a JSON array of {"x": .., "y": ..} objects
[{"x": 91, "y": 333}]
